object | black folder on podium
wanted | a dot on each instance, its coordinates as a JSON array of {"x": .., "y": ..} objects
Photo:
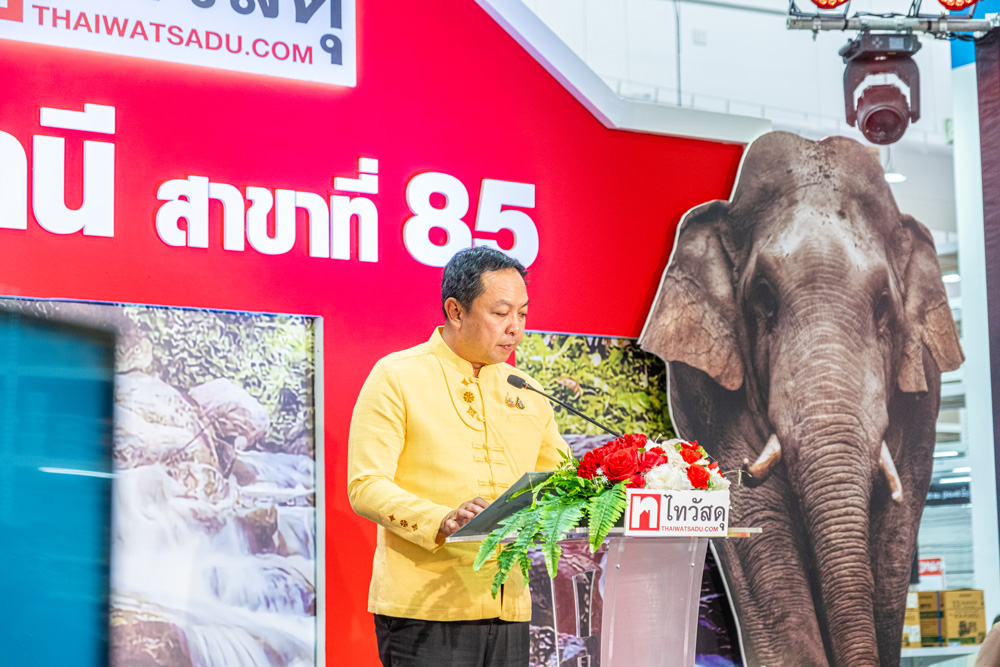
[{"x": 489, "y": 519}]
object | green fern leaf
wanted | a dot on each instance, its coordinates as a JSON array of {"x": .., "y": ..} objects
[
  {"x": 529, "y": 530},
  {"x": 525, "y": 564},
  {"x": 505, "y": 561},
  {"x": 558, "y": 518},
  {"x": 525, "y": 539},
  {"x": 604, "y": 510},
  {"x": 507, "y": 527}
]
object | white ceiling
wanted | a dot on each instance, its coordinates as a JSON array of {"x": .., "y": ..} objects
[{"x": 736, "y": 56}]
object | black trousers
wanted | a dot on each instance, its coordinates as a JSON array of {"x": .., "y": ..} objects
[{"x": 408, "y": 642}]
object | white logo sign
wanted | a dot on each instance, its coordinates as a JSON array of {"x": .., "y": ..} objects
[
  {"x": 677, "y": 513},
  {"x": 310, "y": 40}
]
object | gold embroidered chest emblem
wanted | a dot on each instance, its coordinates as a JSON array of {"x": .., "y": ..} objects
[
  {"x": 468, "y": 397},
  {"x": 513, "y": 402}
]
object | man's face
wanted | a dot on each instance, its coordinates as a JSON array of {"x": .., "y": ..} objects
[{"x": 488, "y": 332}]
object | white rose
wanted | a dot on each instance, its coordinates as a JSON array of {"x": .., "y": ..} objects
[
  {"x": 667, "y": 477},
  {"x": 674, "y": 458},
  {"x": 716, "y": 481}
]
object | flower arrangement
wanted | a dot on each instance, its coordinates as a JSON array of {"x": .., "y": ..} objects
[{"x": 594, "y": 487}]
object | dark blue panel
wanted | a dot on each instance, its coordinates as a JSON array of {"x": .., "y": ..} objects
[{"x": 56, "y": 399}]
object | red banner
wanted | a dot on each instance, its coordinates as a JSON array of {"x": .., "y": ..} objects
[{"x": 442, "y": 89}]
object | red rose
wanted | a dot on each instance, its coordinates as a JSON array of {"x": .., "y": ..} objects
[
  {"x": 589, "y": 464},
  {"x": 658, "y": 450},
  {"x": 637, "y": 440},
  {"x": 693, "y": 445},
  {"x": 587, "y": 468},
  {"x": 621, "y": 465},
  {"x": 650, "y": 460},
  {"x": 616, "y": 446},
  {"x": 690, "y": 456},
  {"x": 714, "y": 465},
  {"x": 636, "y": 482},
  {"x": 698, "y": 477},
  {"x": 609, "y": 449}
]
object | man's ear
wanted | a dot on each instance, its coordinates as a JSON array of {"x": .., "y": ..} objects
[{"x": 454, "y": 312}]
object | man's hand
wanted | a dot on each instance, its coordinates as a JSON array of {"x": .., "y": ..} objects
[{"x": 457, "y": 518}]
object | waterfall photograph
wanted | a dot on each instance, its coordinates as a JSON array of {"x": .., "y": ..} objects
[{"x": 214, "y": 523}]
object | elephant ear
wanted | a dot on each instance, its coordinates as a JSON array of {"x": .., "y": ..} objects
[
  {"x": 928, "y": 315},
  {"x": 692, "y": 318}
]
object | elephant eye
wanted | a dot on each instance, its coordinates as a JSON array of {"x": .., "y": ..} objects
[
  {"x": 765, "y": 302},
  {"x": 883, "y": 310}
]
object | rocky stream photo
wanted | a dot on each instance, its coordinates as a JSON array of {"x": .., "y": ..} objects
[{"x": 214, "y": 526}]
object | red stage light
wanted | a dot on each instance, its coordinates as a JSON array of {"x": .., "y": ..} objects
[
  {"x": 828, "y": 4},
  {"x": 957, "y": 5}
]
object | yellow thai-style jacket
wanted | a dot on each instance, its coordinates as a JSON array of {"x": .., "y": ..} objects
[{"x": 425, "y": 437}]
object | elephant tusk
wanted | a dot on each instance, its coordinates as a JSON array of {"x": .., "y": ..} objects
[
  {"x": 768, "y": 458},
  {"x": 891, "y": 476}
]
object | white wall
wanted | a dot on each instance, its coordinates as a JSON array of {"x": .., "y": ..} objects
[
  {"x": 741, "y": 59},
  {"x": 738, "y": 60}
]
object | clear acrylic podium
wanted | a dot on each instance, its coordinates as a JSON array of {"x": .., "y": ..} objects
[
  {"x": 633, "y": 603},
  {"x": 652, "y": 589}
]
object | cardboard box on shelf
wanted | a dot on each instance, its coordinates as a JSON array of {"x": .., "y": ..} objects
[
  {"x": 911, "y": 624},
  {"x": 952, "y": 618}
]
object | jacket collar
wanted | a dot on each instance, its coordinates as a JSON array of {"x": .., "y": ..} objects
[{"x": 447, "y": 355}]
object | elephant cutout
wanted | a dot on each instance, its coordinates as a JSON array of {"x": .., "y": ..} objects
[{"x": 805, "y": 328}]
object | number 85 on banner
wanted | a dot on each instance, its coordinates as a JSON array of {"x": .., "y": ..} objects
[{"x": 491, "y": 217}]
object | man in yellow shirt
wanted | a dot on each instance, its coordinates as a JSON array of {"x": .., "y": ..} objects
[{"x": 437, "y": 434}]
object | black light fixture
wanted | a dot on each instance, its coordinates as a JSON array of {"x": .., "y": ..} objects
[{"x": 882, "y": 112}]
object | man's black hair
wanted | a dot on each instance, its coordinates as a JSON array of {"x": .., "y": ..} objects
[{"x": 463, "y": 275}]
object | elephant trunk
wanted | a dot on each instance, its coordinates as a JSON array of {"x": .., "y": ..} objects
[
  {"x": 836, "y": 478},
  {"x": 759, "y": 470}
]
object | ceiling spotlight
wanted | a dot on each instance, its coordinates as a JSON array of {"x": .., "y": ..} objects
[
  {"x": 882, "y": 112},
  {"x": 957, "y": 5},
  {"x": 832, "y": 4}
]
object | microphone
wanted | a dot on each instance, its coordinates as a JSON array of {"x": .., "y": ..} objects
[{"x": 521, "y": 383}]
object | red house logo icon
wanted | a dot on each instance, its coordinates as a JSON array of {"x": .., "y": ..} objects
[
  {"x": 12, "y": 10},
  {"x": 644, "y": 512}
]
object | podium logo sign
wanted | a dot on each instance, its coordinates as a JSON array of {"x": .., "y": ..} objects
[
  {"x": 644, "y": 512},
  {"x": 677, "y": 513},
  {"x": 308, "y": 40}
]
